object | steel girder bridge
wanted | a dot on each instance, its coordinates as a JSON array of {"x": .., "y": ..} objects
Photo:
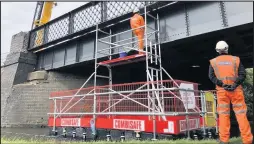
[{"x": 70, "y": 39}]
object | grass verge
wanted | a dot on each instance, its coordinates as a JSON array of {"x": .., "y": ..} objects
[{"x": 5, "y": 140}]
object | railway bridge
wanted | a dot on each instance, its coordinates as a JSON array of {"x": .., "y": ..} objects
[
  {"x": 65, "y": 48},
  {"x": 188, "y": 33}
]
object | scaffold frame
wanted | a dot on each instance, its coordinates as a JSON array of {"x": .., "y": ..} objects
[{"x": 153, "y": 86}]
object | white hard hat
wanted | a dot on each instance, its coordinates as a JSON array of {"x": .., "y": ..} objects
[
  {"x": 135, "y": 10},
  {"x": 221, "y": 46}
]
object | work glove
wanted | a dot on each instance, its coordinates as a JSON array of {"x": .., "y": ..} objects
[{"x": 226, "y": 87}]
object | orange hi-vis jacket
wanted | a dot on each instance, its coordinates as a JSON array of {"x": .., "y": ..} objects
[
  {"x": 137, "y": 21},
  {"x": 226, "y": 69}
]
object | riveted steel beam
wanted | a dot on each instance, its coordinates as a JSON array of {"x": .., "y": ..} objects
[
  {"x": 223, "y": 14},
  {"x": 71, "y": 23},
  {"x": 103, "y": 11},
  {"x": 187, "y": 20}
]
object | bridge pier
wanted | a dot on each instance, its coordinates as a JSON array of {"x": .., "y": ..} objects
[{"x": 18, "y": 64}]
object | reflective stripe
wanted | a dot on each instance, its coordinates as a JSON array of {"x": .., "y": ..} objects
[
  {"x": 227, "y": 113},
  {"x": 224, "y": 63},
  {"x": 240, "y": 111},
  {"x": 228, "y": 78},
  {"x": 216, "y": 69},
  {"x": 237, "y": 105},
  {"x": 234, "y": 61},
  {"x": 224, "y": 105}
]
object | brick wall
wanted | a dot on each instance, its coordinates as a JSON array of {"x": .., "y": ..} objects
[
  {"x": 7, "y": 79},
  {"x": 28, "y": 103},
  {"x": 19, "y": 42},
  {"x": 19, "y": 62}
]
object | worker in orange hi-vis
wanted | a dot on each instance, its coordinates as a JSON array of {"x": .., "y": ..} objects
[
  {"x": 137, "y": 21},
  {"x": 227, "y": 73}
]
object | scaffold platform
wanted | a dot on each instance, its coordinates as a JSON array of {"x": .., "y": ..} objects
[{"x": 124, "y": 60}]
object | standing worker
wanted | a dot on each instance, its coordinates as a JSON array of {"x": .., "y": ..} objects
[
  {"x": 227, "y": 73},
  {"x": 137, "y": 21}
]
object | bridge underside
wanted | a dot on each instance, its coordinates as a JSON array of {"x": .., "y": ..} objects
[{"x": 185, "y": 59}]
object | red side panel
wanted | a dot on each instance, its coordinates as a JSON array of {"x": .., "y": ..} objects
[{"x": 173, "y": 124}]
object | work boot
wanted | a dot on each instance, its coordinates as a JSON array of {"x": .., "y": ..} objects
[{"x": 142, "y": 53}]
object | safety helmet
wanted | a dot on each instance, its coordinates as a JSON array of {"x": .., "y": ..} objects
[
  {"x": 135, "y": 10},
  {"x": 221, "y": 46}
]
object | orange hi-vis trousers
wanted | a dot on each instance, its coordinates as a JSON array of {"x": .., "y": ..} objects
[
  {"x": 140, "y": 35},
  {"x": 137, "y": 21},
  {"x": 237, "y": 99}
]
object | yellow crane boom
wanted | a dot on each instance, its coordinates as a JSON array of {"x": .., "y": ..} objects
[
  {"x": 46, "y": 14},
  {"x": 43, "y": 13}
]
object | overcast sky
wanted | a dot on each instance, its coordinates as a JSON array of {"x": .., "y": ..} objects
[{"x": 18, "y": 16}]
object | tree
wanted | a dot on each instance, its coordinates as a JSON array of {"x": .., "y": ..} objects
[
  {"x": 249, "y": 76},
  {"x": 248, "y": 91}
]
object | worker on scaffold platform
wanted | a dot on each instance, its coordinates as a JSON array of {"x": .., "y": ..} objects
[
  {"x": 227, "y": 73},
  {"x": 137, "y": 21}
]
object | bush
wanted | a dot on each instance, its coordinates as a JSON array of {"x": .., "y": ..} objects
[{"x": 248, "y": 91}]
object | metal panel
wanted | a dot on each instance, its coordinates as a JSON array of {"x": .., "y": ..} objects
[
  {"x": 58, "y": 58},
  {"x": 116, "y": 9},
  {"x": 48, "y": 58},
  {"x": 36, "y": 37},
  {"x": 239, "y": 13},
  {"x": 204, "y": 17},
  {"x": 86, "y": 49},
  {"x": 40, "y": 63},
  {"x": 172, "y": 25},
  {"x": 71, "y": 53},
  {"x": 87, "y": 17},
  {"x": 58, "y": 29}
]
